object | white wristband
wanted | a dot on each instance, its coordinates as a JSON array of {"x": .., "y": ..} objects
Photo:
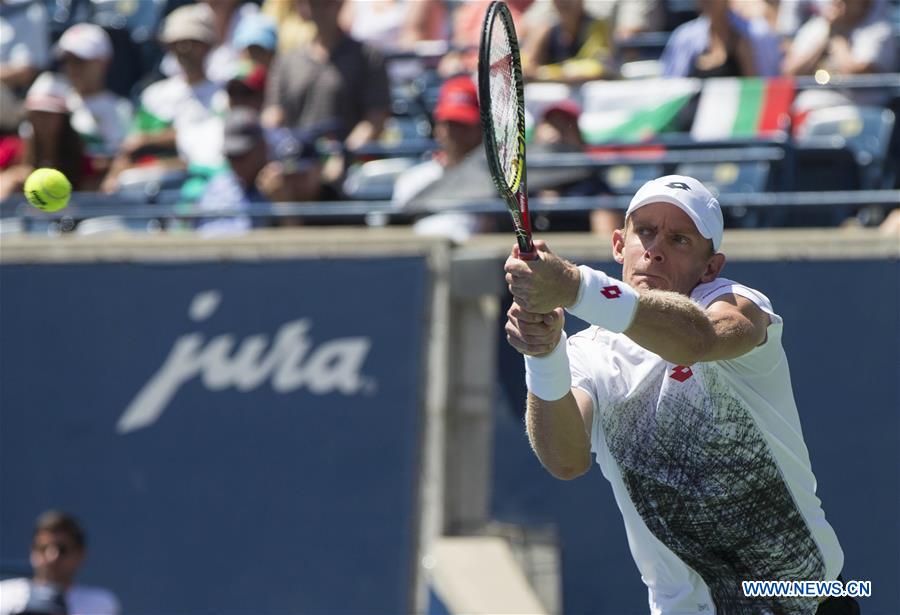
[
  {"x": 548, "y": 377},
  {"x": 604, "y": 301}
]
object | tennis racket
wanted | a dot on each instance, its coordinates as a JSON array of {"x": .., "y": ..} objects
[{"x": 501, "y": 90}]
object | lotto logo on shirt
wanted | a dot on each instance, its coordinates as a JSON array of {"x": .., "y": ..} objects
[
  {"x": 612, "y": 292},
  {"x": 681, "y": 373}
]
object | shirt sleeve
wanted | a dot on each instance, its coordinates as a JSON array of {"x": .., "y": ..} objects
[{"x": 765, "y": 357}]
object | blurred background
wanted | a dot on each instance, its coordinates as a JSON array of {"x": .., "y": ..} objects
[{"x": 260, "y": 356}]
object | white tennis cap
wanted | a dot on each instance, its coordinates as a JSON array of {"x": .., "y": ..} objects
[
  {"x": 87, "y": 41},
  {"x": 689, "y": 195}
]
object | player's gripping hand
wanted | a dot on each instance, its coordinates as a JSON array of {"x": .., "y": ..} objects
[
  {"x": 543, "y": 284},
  {"x": 533, "y": 334}
]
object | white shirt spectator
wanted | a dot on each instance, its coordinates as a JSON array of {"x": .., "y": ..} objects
[
  {"x": 195, "y": 111},
  {"x": 80, "y": 599},
  {"x": 414, "y": 180},
  {"x": 102, "y": 120}
]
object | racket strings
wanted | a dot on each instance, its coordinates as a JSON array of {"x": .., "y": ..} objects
[{"x": 504, "y": 102}]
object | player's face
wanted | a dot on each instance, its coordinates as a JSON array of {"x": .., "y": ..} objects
[
  {"x": 55, "y": 557},
  {"x": 661, "y": 248}
]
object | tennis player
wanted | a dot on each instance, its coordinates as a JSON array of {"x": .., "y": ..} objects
[{"x": 680, "y": 388}]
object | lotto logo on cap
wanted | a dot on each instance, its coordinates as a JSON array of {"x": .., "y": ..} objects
[{"x": 689, "y": 195}]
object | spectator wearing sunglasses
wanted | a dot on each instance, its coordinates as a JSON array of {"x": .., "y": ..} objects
[{"x": 58, "y": 549}]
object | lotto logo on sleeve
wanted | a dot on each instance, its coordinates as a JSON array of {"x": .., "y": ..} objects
[
  {"x": 611, "y": 292},
  {"x": 681, "y": 373}
]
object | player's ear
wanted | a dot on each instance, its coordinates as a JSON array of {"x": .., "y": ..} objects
[
  {"x": 714, "y": 266},
  {"x": 618, "y": 245}
]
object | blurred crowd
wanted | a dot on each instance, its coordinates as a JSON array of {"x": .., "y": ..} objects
[{"x": 230, "y": 103}]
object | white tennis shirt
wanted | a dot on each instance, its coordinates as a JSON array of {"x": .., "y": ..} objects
[{"x": 708, "y": 467}]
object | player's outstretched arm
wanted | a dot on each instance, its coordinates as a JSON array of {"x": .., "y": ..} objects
[
  {"x": 557, "y": 417},
  {"x": 680, "y": 331},
  {"x": 666, "y": 323}
]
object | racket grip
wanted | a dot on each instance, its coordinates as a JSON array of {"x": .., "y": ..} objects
[{"x": 529, "y": 254}]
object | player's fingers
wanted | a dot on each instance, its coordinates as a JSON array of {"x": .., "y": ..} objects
[
  {"x": 520, "y": 289},
  {"x": 516, "y": 267},
  {"x": 521, "y": 315},
  {"x": 541, "y": 246},
  {"x": 523, "y": 301},
  {"x": 514, "y": 338},
  {"x": 516, "y": 278},
  {"x": 537, "y": 334},
  {"x": 523, "y": 347},
  {"x": 554, "y": 318}
]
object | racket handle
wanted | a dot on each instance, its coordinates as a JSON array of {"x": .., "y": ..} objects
[{"x": 527, "y": 254}]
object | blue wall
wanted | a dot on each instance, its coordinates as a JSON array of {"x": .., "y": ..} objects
[
  {"x": 292, "y": 491},
  {"x": 842, "y": 337}
]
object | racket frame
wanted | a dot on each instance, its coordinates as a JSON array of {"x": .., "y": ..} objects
[{"x": 515, "y": 193}]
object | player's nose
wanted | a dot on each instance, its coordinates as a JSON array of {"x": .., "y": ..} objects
[{"x": 653, "y": 250}]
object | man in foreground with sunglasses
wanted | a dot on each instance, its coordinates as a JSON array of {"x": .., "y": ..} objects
[
  {"x": 681, "y": 390},
  {"x": 57, "y": 553}
]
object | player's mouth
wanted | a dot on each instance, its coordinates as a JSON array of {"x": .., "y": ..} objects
[{"x": 650, "y": 280}]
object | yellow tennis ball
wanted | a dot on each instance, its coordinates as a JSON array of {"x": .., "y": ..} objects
[{"x": 48, "y": 189}]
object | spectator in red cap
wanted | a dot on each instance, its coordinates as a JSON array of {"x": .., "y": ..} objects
[
  {"x": 457, "y": 130},
  {"x": 559, "y": 124},
  {"x": 558, "y": 130}
]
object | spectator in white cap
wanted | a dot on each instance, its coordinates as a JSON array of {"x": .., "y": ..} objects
[
  {"x": 101, "y": 117},
  {"x": 179, "y": 117},
  {"x": 681, "y": 389}
]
